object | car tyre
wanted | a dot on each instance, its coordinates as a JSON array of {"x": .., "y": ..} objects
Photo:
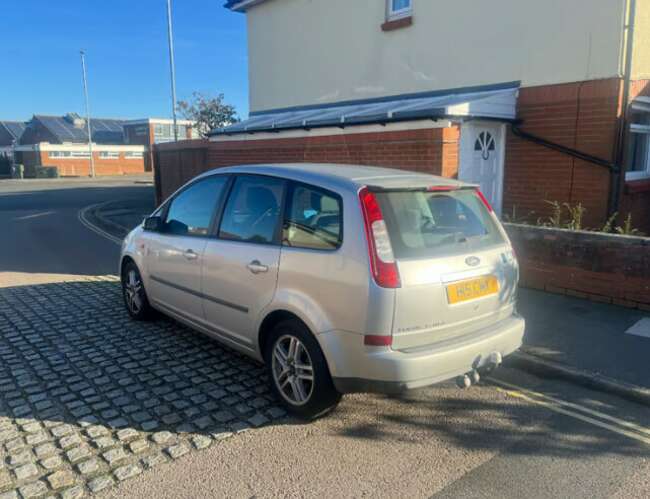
[
  {"x": 298, "y": 372},
  {"x": 134, "y": 294}
]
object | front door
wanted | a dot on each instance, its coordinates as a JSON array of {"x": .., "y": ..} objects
[
  {"x": 175, "y": 255},
  {"x": 481, "y": 159},
  {"x": 240, "y": 267}
]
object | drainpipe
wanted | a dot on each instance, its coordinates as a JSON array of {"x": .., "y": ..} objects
[{"x": 618, "y": 176}]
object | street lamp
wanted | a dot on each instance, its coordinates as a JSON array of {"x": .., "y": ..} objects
[
  {"x": 172, "y": 68},
  {"x": 90, "y": 136}
]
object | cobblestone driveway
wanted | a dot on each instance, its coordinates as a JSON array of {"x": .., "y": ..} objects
[{"x": 89, "y": 397}]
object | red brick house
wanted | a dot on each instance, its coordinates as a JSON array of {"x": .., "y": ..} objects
[{"x": 529, "y": 99}]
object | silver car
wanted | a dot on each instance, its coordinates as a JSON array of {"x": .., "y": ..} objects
[{"x": 339, "y": 278}]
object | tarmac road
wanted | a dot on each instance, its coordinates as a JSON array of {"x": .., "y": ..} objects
[{"x": 41, "y": 231}]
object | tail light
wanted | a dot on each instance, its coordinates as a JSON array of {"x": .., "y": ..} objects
[
  {"x": 373, "y": 340},
  {"x": 485, "y": 201},
  {"x": 382, "y": 261}
]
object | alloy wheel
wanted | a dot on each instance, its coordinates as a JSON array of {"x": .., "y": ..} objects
[
  {"x": 133, "y": 291},
  {"x": 292, "y": 369}
]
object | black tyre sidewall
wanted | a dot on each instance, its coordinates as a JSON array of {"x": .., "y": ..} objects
[
  {"x": 324, "y": 396},
  {"x": 145, "y": 311}
]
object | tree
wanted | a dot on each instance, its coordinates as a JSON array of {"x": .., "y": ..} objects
[{"x": 208, "y": 112}]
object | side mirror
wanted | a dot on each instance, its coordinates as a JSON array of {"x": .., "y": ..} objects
[{"x": 153, "y": 224}]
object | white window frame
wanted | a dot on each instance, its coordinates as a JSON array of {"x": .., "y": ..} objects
[
  {"x": 641, "y": 105},
  {"x": 80, "y": 154},
  {"x": 109, "y": 155},
  {"x": 133, "y": 155},
  {"x": 59, "y": 154},
  {"x": 641, "y": 130},
  {"x": 392, "y": 13}
]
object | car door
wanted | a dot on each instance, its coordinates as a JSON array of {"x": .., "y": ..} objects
[
  {"x": 240, "y": 265},
  {"x": 175, "y": 254}
]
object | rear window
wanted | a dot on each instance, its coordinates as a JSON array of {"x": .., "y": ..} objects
[{"x": 428, "y": 224}]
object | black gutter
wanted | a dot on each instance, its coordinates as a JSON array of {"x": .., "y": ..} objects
[
  {"x": 609, "y": 165},
  {"x": 616, "y": 185}
]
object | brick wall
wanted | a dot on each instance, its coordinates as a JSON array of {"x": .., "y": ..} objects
[
  {"x": 81, "y": 166},
  {"x": 433, "y": 150},
  {"x": 601, "y": 267},
  {"x": 581, "y": 116}
]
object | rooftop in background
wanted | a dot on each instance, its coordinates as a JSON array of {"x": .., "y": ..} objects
[
  {"x": 14, "y": 128},
  {"x": 72, "y": 128},
  {"x": 157, "y": 121}
]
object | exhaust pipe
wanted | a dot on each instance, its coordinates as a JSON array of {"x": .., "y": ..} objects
[
  {"x": 494, "y": 361},
  {"x": 474, "y": 376},
  {"x": 463, "y": 382},
  {"x": 469, "y": 379}
]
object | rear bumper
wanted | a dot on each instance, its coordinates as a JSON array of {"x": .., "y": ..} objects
[{"x": 357, "y": 368}]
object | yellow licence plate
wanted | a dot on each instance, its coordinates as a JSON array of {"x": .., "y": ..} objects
[{"x": 471, "y": 289}]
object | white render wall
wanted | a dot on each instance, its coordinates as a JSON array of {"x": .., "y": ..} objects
[{"x": 321, "y": 51}]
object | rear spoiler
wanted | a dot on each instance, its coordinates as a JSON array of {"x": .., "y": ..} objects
[{"x": 432, "y": 188}]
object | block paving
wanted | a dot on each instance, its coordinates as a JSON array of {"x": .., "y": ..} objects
[{"x": 89, "y": 398}]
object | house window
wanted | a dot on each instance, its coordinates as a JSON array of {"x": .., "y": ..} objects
[
  {"x": 133, "y": 155},
  {"x": 64, "y": 154},
  {"x": 80, "y": 154},
  {"x": 109, "y": 155},
  {"x": 399, "y": 8},
  {"x": 639, "y": 146}
]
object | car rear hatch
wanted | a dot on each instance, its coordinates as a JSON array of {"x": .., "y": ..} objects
[{"x": 456, "y": 268}]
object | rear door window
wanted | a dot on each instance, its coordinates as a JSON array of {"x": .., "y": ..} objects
[
  {"x": 252, "y": 213},
  {"x": 425, "y": 224},
  {"x": 314, "y": 219}
]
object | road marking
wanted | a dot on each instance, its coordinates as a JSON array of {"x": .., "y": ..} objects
[
  {"x": 81, "y": 216},
  {"x": 578, "y": 407},
  {"x": 35, "y": 215},
  {"x": 620, "y": 426},
  {"x": 641, "y": 328}
]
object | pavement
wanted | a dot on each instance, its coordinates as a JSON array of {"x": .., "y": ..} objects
[{"x": 92, "y": 403}]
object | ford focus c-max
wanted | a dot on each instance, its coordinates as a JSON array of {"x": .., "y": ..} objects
[{"x": 339, "y": 278}]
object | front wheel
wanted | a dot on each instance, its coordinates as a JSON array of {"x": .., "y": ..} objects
[
  {"x": 135, "y": 296},
  {"x": 298, "y": 371}
]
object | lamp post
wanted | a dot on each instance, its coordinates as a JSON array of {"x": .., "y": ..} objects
[
  {"x": 90, "y": 136},
  {"x": 172, "y": 67}
]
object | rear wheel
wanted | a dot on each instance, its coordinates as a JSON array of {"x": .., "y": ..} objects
[
  {"x": 135, "y": 296},
  {"x": 298, "y": 371}
]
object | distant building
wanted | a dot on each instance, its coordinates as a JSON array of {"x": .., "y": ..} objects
[
  {"x": 10, "y": 132},
  {"x": 120, "y": 147}
]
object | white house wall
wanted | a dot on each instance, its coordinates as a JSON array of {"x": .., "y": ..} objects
[{"x": 321, "y": 51}]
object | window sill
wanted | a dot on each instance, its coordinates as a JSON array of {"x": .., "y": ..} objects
[
  {"x": 637, "y": 185},
  {"x": 393, "y": 24}
]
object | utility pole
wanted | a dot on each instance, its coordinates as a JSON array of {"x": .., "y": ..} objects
[
  {"x": 172, "y": 67},
  {"x": 90, "y": 136}
]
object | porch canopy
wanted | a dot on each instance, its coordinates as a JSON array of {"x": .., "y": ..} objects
[{"x": 496, "y": 102}]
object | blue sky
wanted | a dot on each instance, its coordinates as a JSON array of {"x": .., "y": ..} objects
[{"x": 127, "y": 59}]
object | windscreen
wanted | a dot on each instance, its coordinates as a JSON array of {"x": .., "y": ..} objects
[{"x": 424, "y": 224}]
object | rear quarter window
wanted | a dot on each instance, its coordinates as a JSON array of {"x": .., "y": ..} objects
[
  {"x": 314, "y": 219},
  {"x": 425, "y": 224}
]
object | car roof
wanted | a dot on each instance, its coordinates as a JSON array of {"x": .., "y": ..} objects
[{"x": 344, "y": 175}]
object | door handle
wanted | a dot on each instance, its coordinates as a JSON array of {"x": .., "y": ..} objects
[
  {"x": 190, "y": 255},
  {"x": 256, "y": 267}
]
